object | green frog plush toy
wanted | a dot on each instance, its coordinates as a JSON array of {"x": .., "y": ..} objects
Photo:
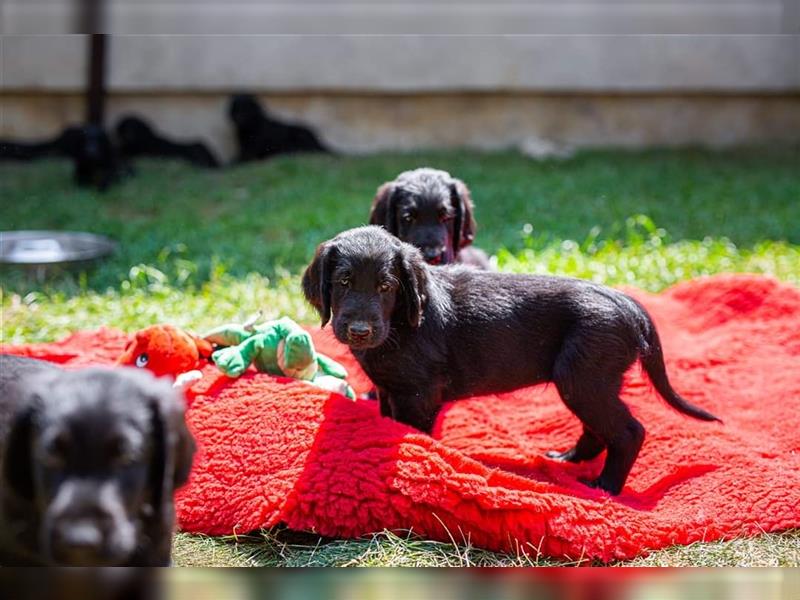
[{"x": 279, "y": 347}]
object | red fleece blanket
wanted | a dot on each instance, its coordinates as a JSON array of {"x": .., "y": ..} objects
[{"x": 275, "y": 450}]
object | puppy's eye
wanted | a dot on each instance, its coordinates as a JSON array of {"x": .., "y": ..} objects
[
  {"x": 408, "y": 218},
  {"x": 55, "y": 450},
  {"x": 120, "y": 453},
  {"x": 344, "y": 282},
  {"x": 385, "y": 287},
  {"x": 141, "y": 360}
]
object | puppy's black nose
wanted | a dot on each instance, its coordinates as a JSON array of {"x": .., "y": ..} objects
[
  {"x": 81, "y": 535},
  {"x": 359, "y": 330},
  {"x": 433, "y": 255}
]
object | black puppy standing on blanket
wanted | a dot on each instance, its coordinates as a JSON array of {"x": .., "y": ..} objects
[
  {"x": 427, "y": 335},
  {"x": 89, "y": 462},
  {"x": 433, "y": 211}
]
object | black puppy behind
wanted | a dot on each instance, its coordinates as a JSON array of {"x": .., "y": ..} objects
[
  {"x": 137, "y": 138},
  {"x": 261, "y": 136},
  {"x": 428, "y": 335},
  {"x": 95, "y": 160},
  {"x": 89, "y": 462},
  {"x": 433, "y": 211},
  {"x": 64, "y": 144}
]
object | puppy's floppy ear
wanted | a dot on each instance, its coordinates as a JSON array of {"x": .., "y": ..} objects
[
  {"x": 464, "y": 227},
  {"x": 414, "y": 283},
  {"x": 317, "y": 280},
  {"x": 17, "y": 467},
  {"x": 173, "y": 444},
  {"x": 383, "y": 211}
]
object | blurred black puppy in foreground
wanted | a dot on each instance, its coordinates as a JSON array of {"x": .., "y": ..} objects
[
  {"x": 137, "y": 138},
  {"x": 427, "y": 335},
  {"x": 89, "y": 462},
  {"x": 261, "y": 136},
  {"x": 433, "y": 211}
]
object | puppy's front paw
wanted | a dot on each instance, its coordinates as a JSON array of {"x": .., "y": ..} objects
[
  {"x": 601, "y": 484},
  {"x": 185, "y": 380}
]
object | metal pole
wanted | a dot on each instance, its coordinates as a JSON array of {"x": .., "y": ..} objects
[
  {"x": 96, "y": 90},
  {"x": 90, "y": 20}
]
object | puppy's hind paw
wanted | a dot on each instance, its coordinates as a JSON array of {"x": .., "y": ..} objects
[{"x": 567, "y": 456}]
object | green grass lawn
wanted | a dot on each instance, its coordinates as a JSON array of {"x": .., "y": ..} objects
[{"x": 201, "y": 248}]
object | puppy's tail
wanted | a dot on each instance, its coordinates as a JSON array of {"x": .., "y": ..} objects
[{"x": 652, "y": 359}]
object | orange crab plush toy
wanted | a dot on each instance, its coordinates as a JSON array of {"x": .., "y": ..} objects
[{"x": 166, "y": 350}]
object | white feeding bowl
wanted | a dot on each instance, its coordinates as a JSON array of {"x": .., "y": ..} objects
[{"x": 52, "y": 248}]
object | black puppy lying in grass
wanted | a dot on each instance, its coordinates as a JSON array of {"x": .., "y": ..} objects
[
  {"x": 96, "y": 161},
  {"x": 433, "y": 211},
  {"x": 64, "y": 144},
  {"x": 428, "y": 335},
  {"x": 89, "y": 462},
  {"x": 260, "y": 136},
  {"x": 137, "y": 138}
]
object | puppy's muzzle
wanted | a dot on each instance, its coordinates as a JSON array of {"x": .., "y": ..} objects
[
  {"x": 359, "y": 332},
  {"x": 79, "y": 542},
  {"x": 86, "y": 525}
]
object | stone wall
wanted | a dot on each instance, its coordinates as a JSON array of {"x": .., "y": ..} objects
[{"x": 368, "y": 123}]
